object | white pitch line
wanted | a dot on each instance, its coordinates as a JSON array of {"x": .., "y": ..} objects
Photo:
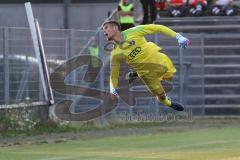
[
  {"x": 199, "y": 144},
  {"x": 55, "y": 158}
]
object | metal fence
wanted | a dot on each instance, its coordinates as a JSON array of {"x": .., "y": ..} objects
[
  {"x": 19, "y": 76},
  {"x": 20, "y": 80},
  {"x": 19, "y": 69}
]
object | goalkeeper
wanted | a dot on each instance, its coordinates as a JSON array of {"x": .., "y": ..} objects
[{"x": 144, "y": 57}]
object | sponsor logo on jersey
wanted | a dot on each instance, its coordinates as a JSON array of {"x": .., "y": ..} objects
[{"x": 134, "y": 52}]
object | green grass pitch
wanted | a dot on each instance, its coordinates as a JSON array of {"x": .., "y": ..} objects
[{"x": 200, "y": 144}]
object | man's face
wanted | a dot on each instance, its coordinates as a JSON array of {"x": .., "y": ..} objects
[
  {"x": 109, "y": 31},
  {"x": 124, "y": 1}
]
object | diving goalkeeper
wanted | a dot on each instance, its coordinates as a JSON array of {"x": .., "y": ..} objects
[{"x": 146, "y": 58}]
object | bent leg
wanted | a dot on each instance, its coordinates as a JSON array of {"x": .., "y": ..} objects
[
  {"x": 167, "y": 102},
  {"x": 155, "y": 87},
  {"x": 164, "y": 99}
]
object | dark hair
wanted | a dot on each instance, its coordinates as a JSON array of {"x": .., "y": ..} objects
[{"x": 112, "y": 22}]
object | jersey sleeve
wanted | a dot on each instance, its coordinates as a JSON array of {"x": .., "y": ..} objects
[
  {"x": 114, "y": 73},
  {"x": 143, "y": 30}
]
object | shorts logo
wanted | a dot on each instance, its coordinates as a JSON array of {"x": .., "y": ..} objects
[{"x": 134, "y": 52}]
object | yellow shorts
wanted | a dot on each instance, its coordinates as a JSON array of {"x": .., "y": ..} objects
[{"x": 156, "y": 73}]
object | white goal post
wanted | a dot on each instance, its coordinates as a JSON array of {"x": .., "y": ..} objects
[{"x": 40, "y": 54}]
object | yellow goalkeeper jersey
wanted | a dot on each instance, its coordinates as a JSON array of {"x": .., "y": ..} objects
[{"x": 137, "y": 52}]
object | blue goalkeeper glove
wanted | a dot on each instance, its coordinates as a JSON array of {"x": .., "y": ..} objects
[{"x": 182, "y": 41}]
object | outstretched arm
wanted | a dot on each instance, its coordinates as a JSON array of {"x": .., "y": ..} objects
[
  {"x": 114, "y": 73},
  {"x": 143, "y": 30}
]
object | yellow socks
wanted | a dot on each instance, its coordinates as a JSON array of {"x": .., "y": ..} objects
[{"x": 166, "y": 101}]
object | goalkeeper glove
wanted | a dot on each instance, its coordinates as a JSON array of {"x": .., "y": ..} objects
[
  {"x": 182, "y": 41},
  {"x": 114, "y": 91}
]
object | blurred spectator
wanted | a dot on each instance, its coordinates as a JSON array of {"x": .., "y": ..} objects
[
  {"x": 126, "y": 15},
  {"x": 94, "y": 65},
  {"x": 94, "y": 52},
  {"x": 176, "y": 8},
  {"x": 160, "y": 5},
  {"x": 149, "y": 6},
  {"x": 223, "y": 8},
  {"x": 197, "y": 7}
]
